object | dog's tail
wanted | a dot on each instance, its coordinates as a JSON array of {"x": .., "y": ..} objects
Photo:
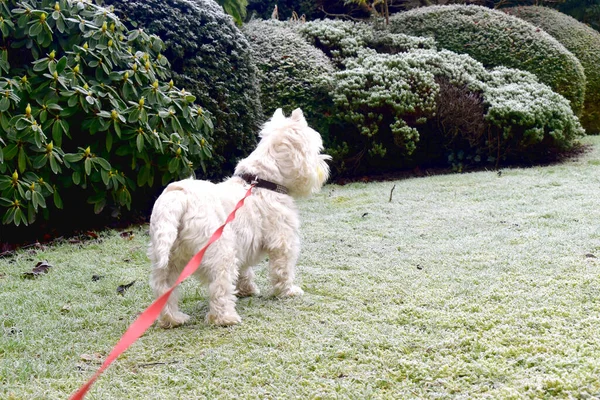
[{"x": 164, "y": 225}]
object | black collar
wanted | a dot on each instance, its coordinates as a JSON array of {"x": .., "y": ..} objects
[{"x": 261, "y": 183}]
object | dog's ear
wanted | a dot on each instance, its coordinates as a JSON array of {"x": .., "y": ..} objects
[
  {"x": 278, "y": 114},
  {"x": 297, "y": 115}
]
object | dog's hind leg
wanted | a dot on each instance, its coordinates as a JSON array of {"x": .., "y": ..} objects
[
  {"x": 282, "y": 266},
  {"x": 161, "y": 280},
  {"x": 164, "y": 225}
]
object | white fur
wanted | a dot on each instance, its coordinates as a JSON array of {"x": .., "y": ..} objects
[{"x": 189, "y": 211}]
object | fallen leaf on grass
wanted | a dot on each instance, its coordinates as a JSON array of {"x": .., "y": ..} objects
[
  {"x": 2, "y": 275},
  {"x": 40, "y": 268},
  {"x": 590, "y": 255},
  {"x": 95, "y": 358},
  {"x": 122, "y": 288},
  {"x": 128, "y": 235}
]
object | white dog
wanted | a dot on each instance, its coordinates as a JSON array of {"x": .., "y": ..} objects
[{"x": 286, "y": 164}]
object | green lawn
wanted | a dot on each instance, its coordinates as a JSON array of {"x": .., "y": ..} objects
[{"x": 464, "y": 286}]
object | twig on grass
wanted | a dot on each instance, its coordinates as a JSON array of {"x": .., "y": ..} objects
[
  {"x": 392, "y": 192},
  {"x": 158, "y": 363}
]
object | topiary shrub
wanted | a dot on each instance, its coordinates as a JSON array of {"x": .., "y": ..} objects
[
  {"x": 343, "y": 39},
  {"x": 392, "y": 102},
  {"x": 211, "y": 58},
  {"x": 497, "y": 39},
  {"x": 579, "y": 39},
  {"x": 86, "y": 109},
  {"x": 292, "y": 72}
]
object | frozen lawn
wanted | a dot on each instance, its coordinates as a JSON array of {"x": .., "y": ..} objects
[{"x": 464, "y": 286}]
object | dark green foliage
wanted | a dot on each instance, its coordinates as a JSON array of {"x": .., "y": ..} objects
[
  {"x": 586, "y": 11},
  {"x": 86, "y": 109},
  {"x": 311, "y": 9},
  {"x": 235, "y": 8},
  {"x": 497, "y": 39},
  {"x": 211, "y": 58},
  {"x": 292, "y": 72},
  {"x": 583, "y": 42}
]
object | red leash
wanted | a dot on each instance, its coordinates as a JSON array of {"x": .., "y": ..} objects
[{"x": 147, "y": 318}]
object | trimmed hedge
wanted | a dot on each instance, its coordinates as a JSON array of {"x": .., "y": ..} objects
[
  {"x": 292, "y": 71},
  {"x": 388, "y": 112},
  {"x": 212, "y": 59},
  {"x": 497, "y": 39},
  {"x": 579, "y": 39},
  {"x": 343, "y": 39}
]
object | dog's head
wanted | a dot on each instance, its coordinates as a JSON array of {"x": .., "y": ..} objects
[{"x": 289, "y": 153}]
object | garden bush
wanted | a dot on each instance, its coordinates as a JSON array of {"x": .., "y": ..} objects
[
  {"x": 579, "y": 39},
  {"x": 211, "y": 58},
  {"x": 86, "y": 109},
  {"x": 292, "y": 72},
  {"x": 497, "y": 39},
  {"x": 390, "y": 103},
  {"x": 343, "y": 39}
]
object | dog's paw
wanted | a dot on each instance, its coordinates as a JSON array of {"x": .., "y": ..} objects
[
  {"x": 168, "y": 321},
  {"x": 291, "y": 291},
  {"x": 223, "y": 319}
]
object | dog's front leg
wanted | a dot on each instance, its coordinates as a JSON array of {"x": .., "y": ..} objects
[
  {"x": 282, "y": 267},
  {"x": 221, "y": 289}
]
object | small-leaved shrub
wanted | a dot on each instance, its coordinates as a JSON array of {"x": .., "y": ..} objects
[
  {"x": 292, "y": 72},
  {"x": 579, "y": 39},
  {"x": 389, "y": 103},
  {"x": 497, "y": 39},
  {"x": 85, "y": 109},
  {"x": 210, "y": 58},
  {"x": 343, "y": 39}
]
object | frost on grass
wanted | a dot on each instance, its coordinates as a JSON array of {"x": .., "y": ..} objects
[{"x": 464, "y": 286}]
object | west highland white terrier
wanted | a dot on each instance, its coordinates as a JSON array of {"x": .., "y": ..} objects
[{"x": 286, "y": 164}]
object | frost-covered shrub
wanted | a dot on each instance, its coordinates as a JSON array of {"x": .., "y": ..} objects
[
  {"x": 527, "y": 112},
  {"x": 579, "y": 39},
  {"x": 343, "y": 39},
  {"x": 292, "y": 72},
  {"x": 387, "y": 88},
  {"x": 211, "y": 58},
  {"x": 497, "y": 39},
  {"x": 521, "y": 112},
  {"x": 384, "y": 92},
  {"x": 391, "y": 101}
]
